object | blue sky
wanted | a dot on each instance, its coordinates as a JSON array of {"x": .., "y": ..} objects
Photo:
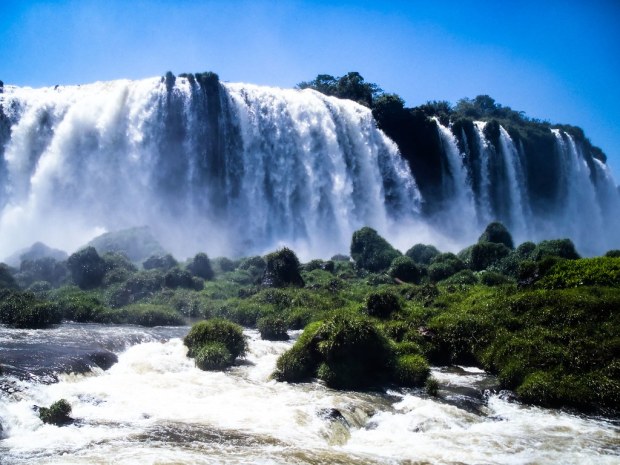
[{"x": 555, "y": 60}]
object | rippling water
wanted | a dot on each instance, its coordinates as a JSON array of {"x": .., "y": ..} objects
[{"x": 154, "y": 407}]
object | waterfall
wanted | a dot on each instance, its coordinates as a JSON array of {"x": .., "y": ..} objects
[
  {"x": 485, "y": 211},
  {"x": 580, "y": 214},
  {"x": 229, "y": 168},
  {"x": 518, "y": 217},
  {"x": 460, "y": 212}
]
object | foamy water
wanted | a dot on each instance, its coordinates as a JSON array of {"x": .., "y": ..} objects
[{"x": 155, "y": 407}]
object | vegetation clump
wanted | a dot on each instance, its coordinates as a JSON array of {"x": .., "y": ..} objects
[
  {"x": 497, "y": 233},
  {"x": 404, "y": 269},
  {"x": 372, "y": 252},
  {"x": 272, "y": 328},
  {"x": 382, "y": 304},
  {"x": 345, "y": 351},
  {"x": 282, "y": 269},
  {"x": 209, "y": 337},
  {"x": 57, "y": 413},
  {"x": 87, "y": 268},
  {"x": 422, "y": 254},
  {"x": 200, "y": 266}
]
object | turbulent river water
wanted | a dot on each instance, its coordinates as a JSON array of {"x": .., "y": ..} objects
[{"x": 153, "y": 406}]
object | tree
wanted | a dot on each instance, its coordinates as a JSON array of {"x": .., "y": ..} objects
[
  {"x": 370, "y": 251},
  {"x": 87, "y": 268}
]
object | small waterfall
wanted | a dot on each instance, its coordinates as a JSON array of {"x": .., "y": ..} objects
[
  {"x": 517, "y": 192},
  {"x": 483, "y": 202},
  {"x": 581, "y": 214},
  {"x": 460, "y": 211}
]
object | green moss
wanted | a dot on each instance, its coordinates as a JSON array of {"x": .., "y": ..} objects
[{"x": 601, "y": 271}]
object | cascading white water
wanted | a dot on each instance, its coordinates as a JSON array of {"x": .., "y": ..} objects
[
  {"x": 251, "y": 168},
  {"x": 518, "y": 210},
  {"x": 460, "y": 211},
  {"x": 155, "y": 406},
  {"x": 485, "y": 211},
  {"x": 581, "y": 214}
]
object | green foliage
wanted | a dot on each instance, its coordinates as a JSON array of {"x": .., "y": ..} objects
[
  {"x": 486, "y": 254},
  {"x": 216, "y": 330},
  {"x": 563, "y": 248},
  {"x": 382, "y": 304},
  {"x": 6, "y": 278},
  {"x": 350, "y": 86},
  {"x": 77, "y": 305},
  {"x": 370, "y": 251},
  {"x": 42, "y": 269},
  {"x": 213, "y": 356},
  {"x": 431, "y": 386},
  {"x": 118, "y": 268},
  {"x": 405, "y": 269},
  {"x": 463, "y": 277},
  {"x": 272, "y": 328},
  {"x": 615, "y": 253},
  {"x": 422, "y": 253},
  {"x": 87, "y": 268},
  {"x": 345, "y": 351},
  {"x": 57, "y": 413},
  {"x": 282, "y": 269},
  {"x": 140, "y": 285},
  {"x": 160, "y": 262},
  {"x": 200, "y": 266},
  {"x": 411, "y": 370},
  {"x": 176, "y": 277},
  {"x": 600, "y": 271},
  {"x": 497, "y": 233},
  {"x": 143, "y": 314},
  {"x": 24, "y": 310},
  {"x": 491, "y": 278},
  {"x": 443, "y": 266}
]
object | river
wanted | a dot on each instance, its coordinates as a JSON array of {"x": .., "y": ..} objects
[{"x": 154, "y": 407}]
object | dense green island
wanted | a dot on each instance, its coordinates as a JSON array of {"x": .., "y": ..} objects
[{"x": 541, "y": 318}]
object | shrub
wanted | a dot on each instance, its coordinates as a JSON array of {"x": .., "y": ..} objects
[
  {"x": 216, "y": 330},
  {"x": 599, "y": 271},
  {"x": 6, "y": 278},
  {"x": 490, "y": 278},
  {"x": 411, "y": 370},
  {"x": 382, "y": 304},
  {"x": 486, "y": 254},
  {"x": 224, "y": 265},
  {"x": 42, "y": 269},
  {"x": 443, "y": 266},
  {"x": 272, "y": 328},
  {"x": 370, "y": 251},
  {"x": 431, "y": 386},
  {"x": 176, "y": 277},
  {"x": 160, "y": 262},
  {"x": 87, "y": 268},
  {"x": 614, "y": 253},
  {"x": 563, "y": 248},
  {"x": 24, "y": 310},
  {"x": 405, "y": 269},
  {"x": 57, "y": 413},
  {"x": 151, "y": 315},
  {"x": 345, "y": 351},
  {"x": 497, "y": 233},
  {"x": 200, "y": 266},
  {"x": 140, "y": 285},
  {"x": 213, "y": 356},
  {"x": 422, "y": 253},
  {"x": 282, "y": 269},
  {"x": 463, "y": 277}
]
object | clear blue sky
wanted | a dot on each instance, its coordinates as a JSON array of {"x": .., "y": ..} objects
[{"x": 555, "y": 60}]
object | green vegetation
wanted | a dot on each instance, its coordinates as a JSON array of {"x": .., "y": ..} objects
[
  {"x": 215, "y": 344},
  {"x": 372, "y": 252},
  {"x": 539, "y": 317},
  {"x": 57, "y": 413}
]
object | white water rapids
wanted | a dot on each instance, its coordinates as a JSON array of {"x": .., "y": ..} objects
[{"x": 155, "y": 407}]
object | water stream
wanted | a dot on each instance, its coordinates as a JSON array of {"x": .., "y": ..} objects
[{"x": 154, "y": 407}]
